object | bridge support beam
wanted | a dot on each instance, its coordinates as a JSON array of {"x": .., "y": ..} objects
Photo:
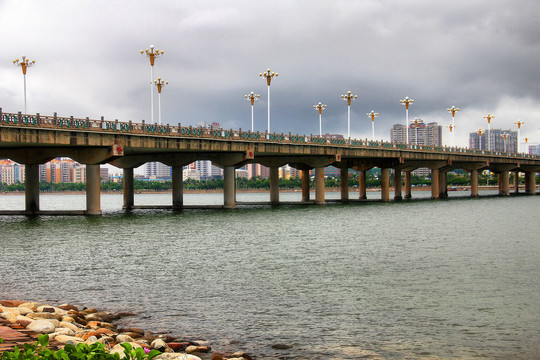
[
  {"x": 530, "y": 182},
  {"x": 408, "y": 194},
  {"x": 93, "y": 195},
  {"x": 344, "y": 185},
  {"x": 516, "y": 182},
  {"x": 31, "y": 188},
  {"x": 128, "y": 189},
  {"x": 229, "y": 201},
  {"x": 504, "y": 181},
  {"x": 443, "y": 188},
  {"x": 362, "y": 194},
  {"x": 397, "y": 185},
  {"x": 474, "y": 183},
  {"x": 177, "y": 187},
  {"x": 319, "y": 186},
  {"x": 274, "y": 185},
  {"x": 305, "y": 185},
  {"x": 385, "y": 184},
  {"x": 435, "y": 191}
]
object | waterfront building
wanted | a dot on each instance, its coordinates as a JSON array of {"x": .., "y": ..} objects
[
  {"x": 257, "y": 170},
  {"x": 157, "y": 170},
  {"x": 534, "y": 149},
  {"x": 11, "y": 172},
  {"x": 207, "y": 170},
  {"x": 496, "y": 140},
  {"x": 191, "y": 173},
  {"x": 425, "y": 134}
]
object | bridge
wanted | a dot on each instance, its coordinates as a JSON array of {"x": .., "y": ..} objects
[{"x": 34, "y": 139}]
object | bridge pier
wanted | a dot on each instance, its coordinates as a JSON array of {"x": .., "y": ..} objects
[
  {"x": 319, "y": 186},
  {"x": 443, "y": 186},
  {"x": 31, "y": 188},
  {"x": 93, "y": 190},
  {"x": 397, "y": 185},
  {"x": 408, "y": 194},
  {"x": 305, "y": 185},
  {"x": 516, "y": 182},
  {"x": 362, "y": 194},
  {"x": 435, "y": 191},
  {"x": 344, "y": 185},
  {"x": 274, "y": 185},
  {"x": 128, "y": 189},
  {"x": 530, "y": 183},
  {"x": 474, "y": 183},
  {"x": 229, "y": 201},
  {"x": 385, "y": 184},
  {"x": 504, "y": 183},
  {"x": 177, "y": 187}
]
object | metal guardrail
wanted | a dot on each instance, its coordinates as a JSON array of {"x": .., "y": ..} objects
[{"x": 107, "y": 126}]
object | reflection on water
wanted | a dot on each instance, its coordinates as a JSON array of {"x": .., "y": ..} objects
[{"x": 457, "y": 278}]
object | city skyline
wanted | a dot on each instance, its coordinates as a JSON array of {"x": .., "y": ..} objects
[{"x": 460, "y": 54}]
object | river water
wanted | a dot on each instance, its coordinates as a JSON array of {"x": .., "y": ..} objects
[{"x": 420, "y": 279}]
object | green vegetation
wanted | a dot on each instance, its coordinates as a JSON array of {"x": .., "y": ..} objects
[{"x": 96, "y": 351}]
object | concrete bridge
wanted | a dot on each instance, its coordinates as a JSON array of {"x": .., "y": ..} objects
[{"x": 36, "y": 139}]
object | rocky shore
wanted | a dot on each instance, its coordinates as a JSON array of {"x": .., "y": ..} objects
[{"x": 21, "y": 322}]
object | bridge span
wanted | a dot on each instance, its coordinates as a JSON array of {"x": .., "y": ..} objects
[{"x": 34, "y": 139}]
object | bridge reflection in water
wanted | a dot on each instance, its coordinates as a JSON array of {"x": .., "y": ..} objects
[{"x": 35, "y": 139}]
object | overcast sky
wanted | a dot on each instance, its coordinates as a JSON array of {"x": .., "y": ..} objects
[{"x": 481, "y": 56}]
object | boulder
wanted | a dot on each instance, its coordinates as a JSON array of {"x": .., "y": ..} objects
[
  {"x": 91, "y": 340},
  {"x": 177, "y": 346},
  {"x": 177, "y": 356},
  {"x": 197, "y": 349},
  {"x": 62, "y": 331},
  {"x": 12, "y": 318},
  {"x": 11, "y": 303},
  {"x": 118, "y": 349},
  {"x": 24, "y": 310},
  {"x": 68, "y": 307},
  {"x": 134, "y": 335},
  {"x": 134, "y": 329},
  {"x": 241, "y": 354},
  {"x": 124, "y": 338},
  {"x": 105, "y": 331},
  {"x": 159, "y": 344},
  {"x": 24, "y": 321},
  {"x": 31, "y": 305},
  {"x": 42, "y": 326},
  {"x": 44, "y": 315},
  {"x": 70, "y": 325},
  {"x": 66, "y": 339},
  {"x": 51, "y": 309}
]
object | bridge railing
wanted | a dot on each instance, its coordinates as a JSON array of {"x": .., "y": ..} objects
[{"x": 102, "y": 125}]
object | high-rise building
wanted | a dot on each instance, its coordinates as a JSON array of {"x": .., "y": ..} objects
[
  {"x": 420, "y": 133},
  {"x": 11, "y": 172},
  {"x": 207, "y": 170},
  {"x": 534, "y": 149},
  {"x": 257, "y": 170},
  {"x": 496, "y": 140},
  {"x": 157, "y": 170}
]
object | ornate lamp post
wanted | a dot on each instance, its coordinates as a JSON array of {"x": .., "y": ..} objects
[
  {"x": 373, "y": 115},
  {"x": 453, "y": 111},
  {"x": 252, "y": 97},
  {"x": 519, "y": 123},
  {"x": 406, "y": 102},
  {"x": 349, "y": 97},
  {"x": 160, "y": 83},
  {"x": 268, "y": 76},
  {"x": 25, "y": 64},
  {"x": 489, "y": 117},
  {"x": 320, "y": 107},
  {"x": 152, "y": 54},
  {"x": 479, "y": 132},
  {"x": 504, "y": 135},
  {"x": 451, "y": 127}
]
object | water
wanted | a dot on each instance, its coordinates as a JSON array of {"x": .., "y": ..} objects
[{"x": 421, "y": 279}]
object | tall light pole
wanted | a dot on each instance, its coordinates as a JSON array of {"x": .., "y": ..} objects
[
  {"x": 349, "y": 97},
  {"x": 451, "y": 127},
  {"x": 415, "y": 122},
  {"x": 160, "y": 83},
  {"x": 252, "y": 97},
  {"x": 504, "y": 135},
  {"x": 372, "y": 115},
  {"x": 489, "y": 117},
  {"x": 519, "y": 123},
  {"x": 152, "y": 54},
  {"x": 453, "y": 111},
  {"x": 320, "y": 107},
  {"x": 479, "y": 132},
  {"x": 406, "y": 102},
  {"x": 268, "y": 75},
  {"x": 25, "y": 64}
]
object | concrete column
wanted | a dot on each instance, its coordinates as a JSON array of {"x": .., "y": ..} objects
[
  {"x": 305, "y": 185},
  {"x": 128, "y": 188},
  {"x": 31, "y": 188},
  {"x": 530, "y": 183},
  {"x": 516, "y": 182},
  {"x": 385, "y": 184},
  {"x": 344, "y": 184},
  {"x": 408, "y": 194},
  {"x": 443, "y": 188},
  {"x": 177, "y": 187},
  {"x": 434, "y": 183},
  {"x": 229, "y": 201},
  {"x": 319, "y": 186},
  {"x": 504, "y": 178},
  {"x": 274, "y": 185},
  {"x": 397, "y": 184},
  {"x": 474, "y": 183},
  {"x": 362, "y": 185},
  {"x": 93, "y": 190}
]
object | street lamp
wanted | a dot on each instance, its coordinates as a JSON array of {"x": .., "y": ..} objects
[
  {"x": 320, "y": 107},
  {"x": 505, "y": 135},
  {"x": 415, "y": 122},
  {"x": 152, "y": 55},
  {"x": 453, "y": 111},
  {"x": 373, "y": 115},
  {"x": 519, "y": 123},
  {"x": 159, "y": 83},
  {"x": 489, "y": 117},
  {"x": 406, "y": 102},
  {"x": 25, "y": 64},
  {"x": 479, "y": 132},
  {"x": 252, "y": 97},
  {"x": 349, "y": 97},
  {"x": 268, "y": 76},
  {"x": 451, "y": 127}
]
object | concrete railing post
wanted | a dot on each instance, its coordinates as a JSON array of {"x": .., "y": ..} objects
[
  {"x": 177, "y": 188},
  {"x": 31, "y": 188},
  {"x": 93, "y": 196},
  {"x": 128, "y": 189},
  {"x": 319, "y": 186}
]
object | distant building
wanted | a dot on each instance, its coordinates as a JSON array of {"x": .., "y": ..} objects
[
  {"x": 534, "y": 149},
  {"x": 208, "y": 170},
  {"x": 420, "y": 133},
  {"x": 496, "y": 140},
  {"x": 257, "y": 170},
  {"x": 11, "y": 172},
  {"x": 157, "y": 170},
  {"x": 191, "y": 174}
]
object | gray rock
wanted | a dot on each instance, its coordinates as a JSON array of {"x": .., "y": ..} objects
[{"x": 42, "y": 326}]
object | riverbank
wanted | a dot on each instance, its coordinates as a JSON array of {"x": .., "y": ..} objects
[{"x": 21, "y": 322}]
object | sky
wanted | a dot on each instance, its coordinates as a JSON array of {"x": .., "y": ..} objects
[{"x": 480, "y": 56}]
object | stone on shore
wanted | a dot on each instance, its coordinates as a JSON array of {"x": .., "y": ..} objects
[
  {"x": 62, "y": 331},
  {"x": 66, "y": 339},
  {"x": 70, "y": 325},
  {"x": 44, "y": 315},
  {"x": 24, "y": 321},
  {"x": 121, "y": 338},
  {"x": 119, "y": 349},
  {"x": 194, "y": 349},
  {"x": 42, "y": 326},
  {"x": 176, "y": 356}
]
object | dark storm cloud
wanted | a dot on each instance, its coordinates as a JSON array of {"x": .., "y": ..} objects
[{"x": 480, "y": 56}]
